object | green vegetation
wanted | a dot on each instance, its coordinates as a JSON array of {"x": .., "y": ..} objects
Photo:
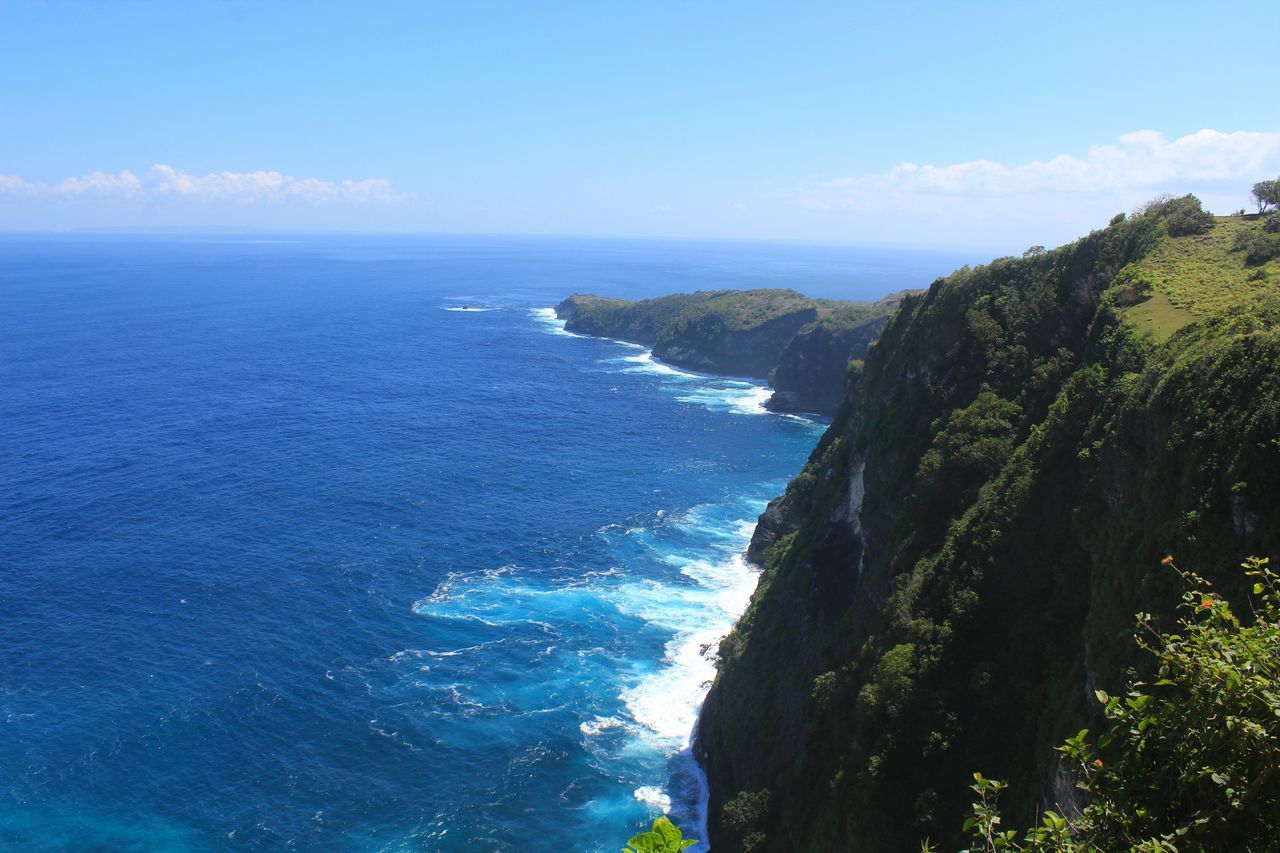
[
  {"x": 1192, "y": 276},
  {"x": 638, "y": 322},
  {"x": 944, "y": 585},
  {"x": 663, "y": 837},
  {"x": 810, "y": 375},
  {"x": 738, "y": 332},
  {"x": 1190, "y": 761},
  {"x": 1158, "y": 317},
  {"x": 738, "y": 310},
  {"x": 1267, "y": 194},
  {"x": 744, "y": 815},
  {"x": 1259, "y": 244},
  {"x": 1182, "y": 215},
  {"x": 802, "y": 345}
]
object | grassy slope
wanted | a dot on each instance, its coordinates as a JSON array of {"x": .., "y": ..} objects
[{"x": 1196, "y": 275}]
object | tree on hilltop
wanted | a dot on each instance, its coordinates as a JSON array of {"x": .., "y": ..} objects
[{"x": 1266, "y": 194}]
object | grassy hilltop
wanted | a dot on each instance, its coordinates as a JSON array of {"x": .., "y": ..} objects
[{"x": 1197, "y": 274}]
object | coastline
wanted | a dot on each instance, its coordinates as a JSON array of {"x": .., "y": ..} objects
[
  {"x": 766, "y": 394},
  {"x": 693, "y": 653}
]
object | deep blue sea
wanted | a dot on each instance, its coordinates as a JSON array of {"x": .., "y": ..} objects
[{"x": 296, "y": 553}]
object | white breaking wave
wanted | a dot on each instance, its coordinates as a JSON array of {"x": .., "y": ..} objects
[
  {"x": 742, "y": 398},
  {"x": 651, "y": 795},
  {"x": 664, "y": 704},
  {"x": 696, "y": 602},
  {"x": 597, "y": 725},
  {"x": 644, "y": 362},
  {"x": 717, "y": 393},
  {"x": 554, "y": 325}
]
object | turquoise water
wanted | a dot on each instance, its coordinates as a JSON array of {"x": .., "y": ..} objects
[{"x": 297, "y": 552}]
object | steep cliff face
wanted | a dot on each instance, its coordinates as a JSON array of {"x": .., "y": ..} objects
[
  {"x": 964, "y": 552},
  {"x": 801, "y": 345},
  {"x": 811, "y": 369}
]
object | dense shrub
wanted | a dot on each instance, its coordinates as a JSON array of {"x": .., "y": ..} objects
[
  {"x": 1258, "y": 245},
  {"x": 1182, "y": 214},
  {"x": 745, "y": 814},
  {"x": 1191, "y": 761}
]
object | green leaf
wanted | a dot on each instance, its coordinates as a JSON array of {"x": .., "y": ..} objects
[{"x": 667, "y": 830}]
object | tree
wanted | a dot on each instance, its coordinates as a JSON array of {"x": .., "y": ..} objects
[
  {"x": 1266, "y": 194},
  {"x": 1191, "y": 762}
]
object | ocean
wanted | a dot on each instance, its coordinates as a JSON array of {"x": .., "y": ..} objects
[{"x": 343, "y": 543}]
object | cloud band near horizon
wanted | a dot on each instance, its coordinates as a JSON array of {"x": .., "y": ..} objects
[
  {"x": 164, "y": 181},
  {"x": 1142, "y": 160}
]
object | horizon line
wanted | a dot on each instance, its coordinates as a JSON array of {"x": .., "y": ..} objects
[{"x": 232, "y": 230}]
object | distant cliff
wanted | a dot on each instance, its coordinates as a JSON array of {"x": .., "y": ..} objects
[
  {"x": 957, "y": 567},
  {"x": 801, "y": 345},
  {"x": 810, "y": 376}
]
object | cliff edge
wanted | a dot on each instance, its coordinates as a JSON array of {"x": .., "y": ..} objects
[{"x": 958, "y": 565}]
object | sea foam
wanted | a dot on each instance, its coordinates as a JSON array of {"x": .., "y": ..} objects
[
  {"x": 547, "y": 317},
  {"x": 717, "y": 393}
]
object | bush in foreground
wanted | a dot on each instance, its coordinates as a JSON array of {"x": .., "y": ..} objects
[
  {"x": 663, "y": 837},
  {"x": 1189, "y": 762}
]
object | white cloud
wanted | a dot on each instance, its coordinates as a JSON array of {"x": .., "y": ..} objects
[
  {"x": 100, "y": 183},
  {"x": 13, "y": 185},
  {"x": 1143, "y": 160},
  {"x": 1049, "y": 201},
  {"x": 238, "y": 187}
]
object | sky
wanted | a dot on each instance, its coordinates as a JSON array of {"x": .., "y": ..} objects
[{"x": 975, "y": 124}]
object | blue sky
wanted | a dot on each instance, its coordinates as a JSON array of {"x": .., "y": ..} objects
[{"x": 693, "y": 119}]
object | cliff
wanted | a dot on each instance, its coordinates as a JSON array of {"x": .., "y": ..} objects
[
  {"x": 810, "y": 376},
  {"x": 958, "y": 565},
  {"x": 802, "y": 346}
]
